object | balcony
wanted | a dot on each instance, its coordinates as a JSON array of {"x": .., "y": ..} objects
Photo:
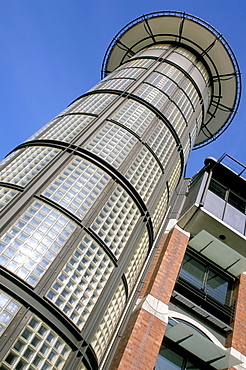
[{"x": 214, "y": 213}]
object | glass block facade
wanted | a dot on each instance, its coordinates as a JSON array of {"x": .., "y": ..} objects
[{"x": 83, "y": 199}]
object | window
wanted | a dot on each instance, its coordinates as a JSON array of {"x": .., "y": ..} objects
[
  {"x": 228, "y": 195},
  {"x": 171, "y": 357},
  {"x": 205, "y": 277}
]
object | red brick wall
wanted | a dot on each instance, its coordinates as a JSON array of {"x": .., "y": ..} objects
[
  {"x": 143, "y": 336},
  {"x": 173, "y": 254},
  {"x": 237, "y": 338}
]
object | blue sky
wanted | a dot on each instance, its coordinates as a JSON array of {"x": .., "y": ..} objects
[{"x": 52, "y": 51}]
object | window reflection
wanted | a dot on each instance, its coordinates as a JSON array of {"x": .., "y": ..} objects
[
  {"x": 204, "y": 276},
  {"x": 172, "y": 359}
]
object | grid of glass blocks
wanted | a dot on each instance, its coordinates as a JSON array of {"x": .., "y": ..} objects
[
  {"x": 151, "y": 95},
  {"x": 143, "y": 63},
  {"x": 116, "y": 220},
  {"x": 6, "y": 195},
  {"x": 162, "y": 82},
  {"x": 137, "y": 260},
  {"x": 28, "y": 163},
  {"x": 162, "y": 143},
  {"x": 112, "y": 143},
  {"x": 170, "y": 71},
  {"x": 144, "y": 173},
  {"x": 8, "y": 158},
  {"x": 9, "y": 307},
  {"x": 160, "y": 210},
  {"x": 42, "y": 129},
  {"x": 94, "y": 103},
  {"x": 184, "y": 104},
  {"x": 68, "y": 127},
  {"x": 192, "y": 58},
  {"x": 32, "y": 243},
  {"x": 116, "y": 83},
  {"x": 199, "y": 121},
  {"x": 77, "y": 187},
  {"x": 136, "y": 63},
  {"x": 134, "y": 116},
  {"x": 193, "y": 135},
  {"x": 129, "y": 72},
  {"x": 175, "y": 117},
  {"x": 186, "y": 150},
  {"x": 174, "y": 178},
  {"x": 81, "y": 281},
  {"x": 37, "y": 348},
  {"x": 184, "y": 84},
  {"x": 109, "y": 321},
  {"x": 190, "y": 90}
]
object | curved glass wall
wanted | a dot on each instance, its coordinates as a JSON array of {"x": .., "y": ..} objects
[
  {"x": 38, "y": 347},
  {"x": 34, "y": 240},
  {"x": 81, "y": 224},
  {"x": 81, "y": 281},
  {"x": 6, "y": 195}
]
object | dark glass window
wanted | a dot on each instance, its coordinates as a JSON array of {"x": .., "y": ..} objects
[
  {"x": 217, "y": 188},
  {"x": 167, "y": 359},
  {"x": 205, "y": 277},
  {"x": 236, "y": 201},
  {"x": 217, "y": 287},
  {"x": 172, "y": 357},
  {"x": 227, "y": 194},
  {"x": 193, "y": 271}
]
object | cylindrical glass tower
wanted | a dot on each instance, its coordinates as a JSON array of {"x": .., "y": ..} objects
[{"x": 83, "y": 199}]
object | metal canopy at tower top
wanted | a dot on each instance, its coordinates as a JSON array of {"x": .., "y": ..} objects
[{"x": 205, "y": 41}]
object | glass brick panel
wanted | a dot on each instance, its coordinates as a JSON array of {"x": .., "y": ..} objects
[
  {"x": 42, "y": 129},
  {"x": 9, "y": 307},
  {"x": 190, "y": 90},
  {"x": 116, "y": 220},
  {"x": 37, "y": 348},
  {"x": 29, "y": 162},
  {"x": 68, "y": 127},
  {"x": 186, "y": 150},
  {"x": 144, "y": 63},
  {"x": 160, "y": 210},
  {"x": 144, "y": 173},
  {"x": 81, "y": 281},
  {"x": 152, "y": 95},
  {"x": 129, "y": 72},
  {"x": 134, "y": 116},
  {"x": 190, "y": 56},
  {"x": 8, "y": 158},
  {"x": 174, "y": 178},
  {"x": 137, "y": 260},
  {"x": 162, "y": 82},
  {"x": 6, "y": 195},
  {"x": 94, "y": 103},
  {"x": 78, "y": 186},
  {"x": 183, "y": 103},
  {"x": 162, "y": 143},
  {"x": 112, "y": 143},
  {"x": 109, "y": 321},
  {"x": 175, "y": 117},
  {"x": 170, "y": 71},
  {"x": 32, "y": 243},
  {"x": 116, "y": 83}
]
